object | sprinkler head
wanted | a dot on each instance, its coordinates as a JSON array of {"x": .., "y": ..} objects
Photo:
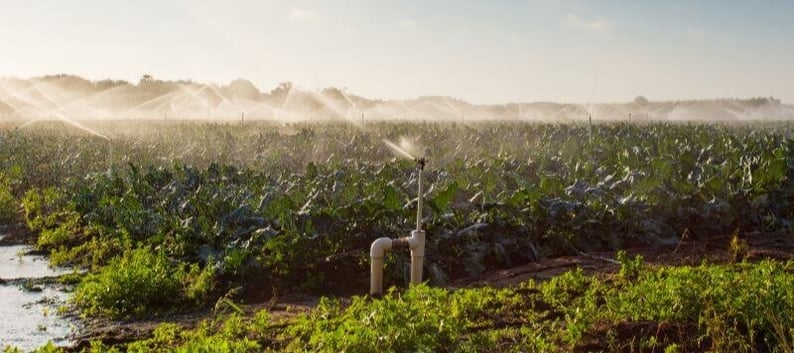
[{"x": 422, "y": 162}]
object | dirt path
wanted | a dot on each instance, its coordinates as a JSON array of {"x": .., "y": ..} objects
[
  {"x": 687, "y": 253},
  {"x": 116, "y": 332}
]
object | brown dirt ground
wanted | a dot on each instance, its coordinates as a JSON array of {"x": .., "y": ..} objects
[
  {"x": 778, "y": 245},
  {"x": 17, "y": 234},
  {"x": 115, "y": 332}
]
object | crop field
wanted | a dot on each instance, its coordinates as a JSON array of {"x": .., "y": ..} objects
[{"x": 163, "y": 218}]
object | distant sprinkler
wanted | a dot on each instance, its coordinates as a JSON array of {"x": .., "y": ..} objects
[
  {"x": 242, "y": 117},
  {"x": 629, "y": 118},
  {"x": 110, "y": 155},
  {"x": 590, "y": 129}
]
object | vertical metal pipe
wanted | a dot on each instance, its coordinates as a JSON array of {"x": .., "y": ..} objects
[{"x": 419, "y": 202}]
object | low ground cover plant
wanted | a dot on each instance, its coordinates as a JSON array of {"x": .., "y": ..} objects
[{"x": 740, "y": 307}]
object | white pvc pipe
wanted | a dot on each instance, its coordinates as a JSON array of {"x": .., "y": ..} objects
[
  {"x": 416, "y": 242},
  {"x": 377, "y": 252}
]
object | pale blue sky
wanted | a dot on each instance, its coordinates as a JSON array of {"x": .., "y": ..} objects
[{"x": 481, "y": 51}]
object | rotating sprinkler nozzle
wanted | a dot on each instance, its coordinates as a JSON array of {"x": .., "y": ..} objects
[{"x": 422, "y": 163}]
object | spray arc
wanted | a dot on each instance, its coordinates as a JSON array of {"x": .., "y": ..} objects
[{"x": 415, "y": 242}]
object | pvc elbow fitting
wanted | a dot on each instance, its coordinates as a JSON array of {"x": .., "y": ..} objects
[{"x": 379, "y": 247}]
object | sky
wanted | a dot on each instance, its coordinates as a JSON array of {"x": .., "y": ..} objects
[{"x": 482, "y": 51}]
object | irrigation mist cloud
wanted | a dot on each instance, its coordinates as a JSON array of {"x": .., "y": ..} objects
[{"x": 73, "y": 99}]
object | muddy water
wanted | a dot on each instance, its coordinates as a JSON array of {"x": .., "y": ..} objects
[{"x": 29, "y": 318}]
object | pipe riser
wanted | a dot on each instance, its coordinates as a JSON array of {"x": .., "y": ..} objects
[
  {"x": 417, "y": 263},
  {"x": 417, "y": 242},
  {"x": 376, "y": 279},
  {"x": 419, "y": 203}
]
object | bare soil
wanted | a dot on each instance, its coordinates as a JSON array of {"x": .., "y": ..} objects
[
  {"x": 713, "y": 250},
  {"x": 17, "y": 234}
]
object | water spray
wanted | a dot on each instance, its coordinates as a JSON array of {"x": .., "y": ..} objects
[
  {"x": 415, "y": 242},
  {"x": 70, "y": 121}
]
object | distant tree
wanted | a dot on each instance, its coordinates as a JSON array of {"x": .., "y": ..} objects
[
  {"x": 282, "y": 88},
  {"x": 149, "y": 88},
  {"x": 333, "y": 92},
  {"x": 108, "y": 84},
  {"x": 640, "y": 100},
  {"x": 146, "y": 78},
  {"x": 759, "y": 101},
  {"x": 242, "y": 88},
  {"x": 70, "y": 82}
]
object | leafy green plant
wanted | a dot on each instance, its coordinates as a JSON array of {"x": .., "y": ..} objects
[
  {"x": 141, "y": 281},
  {"x": 9, "y": 205},
  {"x": 279, "y": 212},
  {"x": 630, "y": 269},
  {"x": 738, "y": 247}
]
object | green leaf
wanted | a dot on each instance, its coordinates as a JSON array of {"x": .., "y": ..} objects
[
  {"x": 445, "y": 196},
  {"x": 391, "y": 199}
]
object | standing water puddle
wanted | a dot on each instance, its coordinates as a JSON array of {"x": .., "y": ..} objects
[{"x": 29, "y": 319}]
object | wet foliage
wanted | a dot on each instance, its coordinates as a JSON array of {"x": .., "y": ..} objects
[{"x": 274, "y": 208}]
